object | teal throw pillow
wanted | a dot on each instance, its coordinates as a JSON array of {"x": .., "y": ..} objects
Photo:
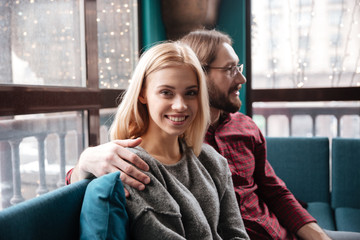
[{"x": 103, "y": 213}]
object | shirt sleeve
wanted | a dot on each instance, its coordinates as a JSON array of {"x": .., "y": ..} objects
[
  {"x": 230, "y": 221},
  {"x": 68, "y": 177},
  {"x": 275, "y": 193}
]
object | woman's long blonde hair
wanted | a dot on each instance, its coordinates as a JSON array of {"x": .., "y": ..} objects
[{"x": 132, "y": 118}]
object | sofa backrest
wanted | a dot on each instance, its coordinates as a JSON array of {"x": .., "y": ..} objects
[
  {"x": 54, "y": 215},
  {"x": 303, "y": 164},
  {"x": 345, "y": 173}
]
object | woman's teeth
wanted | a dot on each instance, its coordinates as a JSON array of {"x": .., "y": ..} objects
[{"x": 176, "y": 119}]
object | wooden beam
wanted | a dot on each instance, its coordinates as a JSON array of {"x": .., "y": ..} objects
[{"x": 306, "y": 94}]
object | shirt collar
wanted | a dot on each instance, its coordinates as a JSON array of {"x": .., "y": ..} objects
[{"x": 223, "y": 119}]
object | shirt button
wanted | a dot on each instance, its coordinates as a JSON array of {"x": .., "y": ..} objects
[{"x": 258, "y": 220}]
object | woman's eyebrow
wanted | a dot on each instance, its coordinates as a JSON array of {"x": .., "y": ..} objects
[
  {"x": 194, "y": 86},
  {"x": 165, "y": 86},
  {"x": 172, "y": 87}
]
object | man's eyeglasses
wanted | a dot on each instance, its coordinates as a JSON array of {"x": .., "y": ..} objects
[{"x": 233, "y": 70}]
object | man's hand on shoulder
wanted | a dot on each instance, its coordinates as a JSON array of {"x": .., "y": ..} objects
[{"x": 111, "y": 157}]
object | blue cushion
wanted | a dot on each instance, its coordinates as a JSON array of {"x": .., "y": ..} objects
[
  {"x": 103, "y": 214},
  {"x": 345, "y": 173},
  {"x": 323, "y": 213},
  {"x": 347, "y": 219},
  {"x": 303, "y": 164},
  {"x": 54, "y": 215}
]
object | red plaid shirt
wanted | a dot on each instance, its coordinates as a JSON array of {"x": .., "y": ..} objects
[{"x": 268, "y": 208}]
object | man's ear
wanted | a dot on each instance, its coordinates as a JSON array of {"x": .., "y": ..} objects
[{"x": 142, "y": 97}]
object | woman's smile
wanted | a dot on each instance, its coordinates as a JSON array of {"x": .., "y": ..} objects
[{"x": 177, "y": 119}]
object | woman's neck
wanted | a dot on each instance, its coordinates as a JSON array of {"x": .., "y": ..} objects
[{"x": 164, "y": 149}]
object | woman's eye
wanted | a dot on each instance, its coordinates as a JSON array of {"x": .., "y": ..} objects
[
  {"x": 166, "y": 93},
  {"x": 192, "y": 93}
]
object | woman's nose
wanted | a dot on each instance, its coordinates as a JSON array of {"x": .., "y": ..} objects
[{"x": 179, "y": 104}]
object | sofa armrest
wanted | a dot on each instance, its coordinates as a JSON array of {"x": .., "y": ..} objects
[
  {"x": 347, "y": 219},
  {"x": 54, "y": 215}
]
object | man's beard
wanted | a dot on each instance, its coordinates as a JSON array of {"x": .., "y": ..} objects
[{"x": 221, "y": 100}]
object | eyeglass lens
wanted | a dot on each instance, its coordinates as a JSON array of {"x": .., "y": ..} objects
[{"x": 236, "y": 69}]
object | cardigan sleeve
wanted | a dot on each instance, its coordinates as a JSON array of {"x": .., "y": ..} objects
[
  {"x": 231, "y": 225},
  {"x": 230, "y": 221},
  {"x": 153, "y": 213}
]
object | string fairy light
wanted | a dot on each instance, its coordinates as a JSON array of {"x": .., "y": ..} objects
[
  {"x": 302, "y": 42},
  {"x": 356, "y": 72},
  {"x": 302, "y": 63},
  {"x": 345, "y": 55},
  {"x": 116, "y": 41},
  {"x": 272, "y": 43},
  {"x": 357, "y": 64},
  {"x": 292, "y": 51},
  {"x": 337, "y": 43}
]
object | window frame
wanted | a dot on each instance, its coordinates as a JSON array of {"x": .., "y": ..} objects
[
  {"x": 289, "y": 95},
  {"x": 27, "y": 99}
]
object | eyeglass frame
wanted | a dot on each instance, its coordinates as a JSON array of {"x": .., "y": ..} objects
[{"x": 234, "y": 70}]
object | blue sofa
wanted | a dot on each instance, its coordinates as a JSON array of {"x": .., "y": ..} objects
[
  {"x": 303, "y": 163},
  {"x": 54, "y": 215},
  {"x": 83, "y": 210},
  {"x": 345, "y": 197}
]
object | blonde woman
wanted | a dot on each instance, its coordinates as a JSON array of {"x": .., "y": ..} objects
[{"x": 191, "y": 194}]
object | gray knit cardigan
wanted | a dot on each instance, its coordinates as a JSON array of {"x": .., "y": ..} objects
[{"x": 192, "y": 199}]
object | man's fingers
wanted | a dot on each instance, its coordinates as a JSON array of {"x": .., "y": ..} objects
[
  {"x": 126, "y": 179},
  {"x": 132, "y": 158},
  {"x": 132, "y": 171},
  {"x": 128, "y": 142},
  {"x": 131, "y": 181},
  {"x": 112, "y": 157},
  {"x": 127, "y": 194}
]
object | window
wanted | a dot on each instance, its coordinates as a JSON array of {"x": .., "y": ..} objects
[
  {"x": 117, "y": 42},
  {"x": 295, "y": 46},
  {"x": 43, "y": 42},
  {"x": 304, "y": 42},
  {"x": 63, "y": 64},
  {"x": 335, "y": 40},
  {"x": 312, "y": 88},
  {"x": 334, "y": 18}
]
